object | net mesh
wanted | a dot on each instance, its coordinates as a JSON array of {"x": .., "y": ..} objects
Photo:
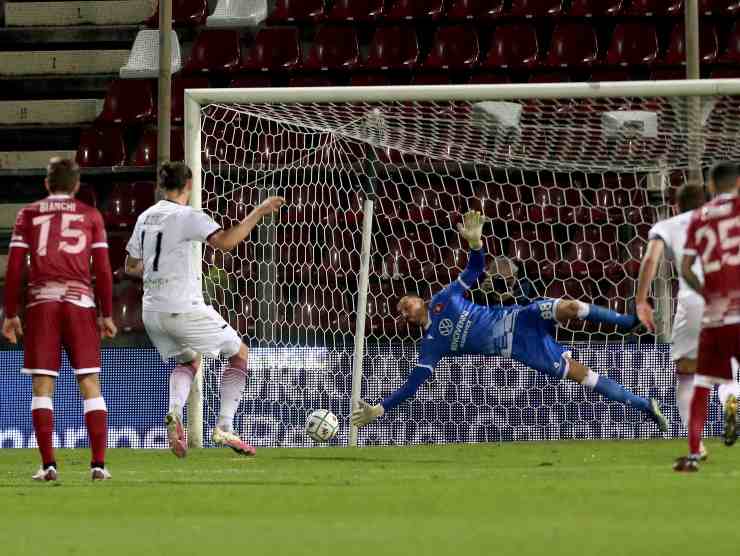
[{"x": 571, "y": 186}]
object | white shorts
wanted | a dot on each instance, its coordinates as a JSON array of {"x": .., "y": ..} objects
[
  {"x": 686, "y": 327},
  {"x": 187, "y": 334}
]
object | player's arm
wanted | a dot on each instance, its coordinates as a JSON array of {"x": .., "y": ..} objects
[
  {"x": 231, "y": 237},
  {"x": 103, "y": 278},
  {"x": 471, "y": 230},
  {"x": 12, "y": 327},
  {"x": 692, "y": 280},
  {"x": 648, "y": 270}
]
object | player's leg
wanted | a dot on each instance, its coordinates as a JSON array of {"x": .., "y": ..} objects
[
  {"x": 568, "y": 309},
  {"x": 728, "y": 395},
  {"x": 81, "y": 339},
  {"x": 42, "y": 357},
  {"x": 181, "y": 380},
  {"x": 233, "y": 381}
]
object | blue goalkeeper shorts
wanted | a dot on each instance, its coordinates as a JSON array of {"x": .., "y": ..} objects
[{"x": 534, "y": 342}]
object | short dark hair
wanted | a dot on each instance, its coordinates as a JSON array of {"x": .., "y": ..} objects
[
  {"x": 174, "y": 175},
  {"x": 62, "y": 175},
  {"x": 690, "y": 197},
  {"x": 724, "y": 176}
]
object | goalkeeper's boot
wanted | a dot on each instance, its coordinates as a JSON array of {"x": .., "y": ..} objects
[
  {"x": 730, "y": 411},
  {"x": 176, "y": 434},
  {"x": 230, "y": 440},
  {"x": 100, "y": 474},
  {"x": 686, "y": 464},
  {"x": 48, "y": 474},
  {"x": 657, "y": 415}
]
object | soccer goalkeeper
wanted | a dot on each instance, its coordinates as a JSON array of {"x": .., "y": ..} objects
[{"x": 454, "y": 325}]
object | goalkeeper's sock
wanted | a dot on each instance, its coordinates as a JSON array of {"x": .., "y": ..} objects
[
  {"x": 42, "y": 415},
  {"x": 699, "y": 408},
  {"x": 96, "y": 421},
  {"x": 596, "y": 313},
  {"x": 181, "y": 378},
  {"x": 232, "y": 386},
  {"x": 614, "y": 391}
]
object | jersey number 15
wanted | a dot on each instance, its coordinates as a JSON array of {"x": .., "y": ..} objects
[{"x": 77, "y": 238}]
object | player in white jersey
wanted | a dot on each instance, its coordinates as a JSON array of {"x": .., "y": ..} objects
[
  {"x": 176, "y": 318},
  {"x": 669, "y": 237}
]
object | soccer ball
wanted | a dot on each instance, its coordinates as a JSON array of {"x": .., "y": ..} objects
[{"x": 322, "y": 425}]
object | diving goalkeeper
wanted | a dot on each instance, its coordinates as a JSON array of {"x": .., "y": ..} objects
[{"x": 454, "y": 325}]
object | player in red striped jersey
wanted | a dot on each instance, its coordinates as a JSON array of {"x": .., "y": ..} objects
[
  {"x": 714, "y": 237},
  {"x": 60, "y": 235}
]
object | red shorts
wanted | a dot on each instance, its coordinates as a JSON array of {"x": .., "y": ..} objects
[
  {"x": 50, "y": 326},
  {"x": 717, "y": 347}
]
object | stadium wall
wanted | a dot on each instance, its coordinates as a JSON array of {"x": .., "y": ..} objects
[{"x": 471, "y": 399}]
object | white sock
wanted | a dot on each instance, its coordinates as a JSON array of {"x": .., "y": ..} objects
[
  {"x": 725, "y": 390},
  {"x": 684, "y": 392},
  {"x": 181, "y": 378},
  {"x": 232, "y": 385}
]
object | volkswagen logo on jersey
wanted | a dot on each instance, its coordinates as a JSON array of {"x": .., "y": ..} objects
[{"x": 445, "y": 327}]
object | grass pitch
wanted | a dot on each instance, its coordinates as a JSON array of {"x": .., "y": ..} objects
[{"x": 570, "y": 498}]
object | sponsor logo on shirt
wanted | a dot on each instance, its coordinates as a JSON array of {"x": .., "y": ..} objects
[
  {"x": 461, "y": 331},
  {"x": 445, "y": 327}
]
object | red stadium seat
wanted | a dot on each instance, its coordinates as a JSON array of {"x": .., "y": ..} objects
[
  {"x": 475, "y": 10},
  {"x": 117, "y": 242},
  {"x": 633, "y": 255},
  {"x": 595, "y": 8},
  {"x": 381, "y": 309},
  {"x": 633, "y": 44},
  {"x": 297, "y": 11},
  {"x": 126, "y": 202},
  {"x": 334, "y": 48},
  {"x": 655, "y": 7},
  {"x": 101, "y": 147},
  {"x": 179, "y": 84},
  {"x": 128, "y": 101},
  {"x": 573, "y": 45},
  {"x": 708, "y": 45},
  {"x": 621, "y": 296},
  {"x": 184, "y": 12},
  {"x": 214, "y": 51},
  {"x": 536, "y": 8},
  {"x": 146, "y": 150},
  {"x": 539, "y": 257},
  {"x": 324, "y": 308},
  {"x": 587, "y": 260},
  {"x": 361, "y": 11},
  {"x": 513, "y": 46},
  {"x": 732, "y": 53},
  {"x": 415, "y": 9},
  {"x": 274, "y": 49},
  {"x": 571, "y": 289},
  {"x": 454, "y": 48},
  {"x": 497, "y": 201},
  {"x": 393, "y": 48}
]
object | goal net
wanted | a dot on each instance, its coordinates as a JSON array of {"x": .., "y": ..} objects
[{"x": 572, "y": 178}]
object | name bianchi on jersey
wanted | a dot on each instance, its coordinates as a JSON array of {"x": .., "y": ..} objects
[{"x": 460, "y": 335}]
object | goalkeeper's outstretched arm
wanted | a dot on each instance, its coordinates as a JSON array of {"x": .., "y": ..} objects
[{"x": 471, "y": 230}]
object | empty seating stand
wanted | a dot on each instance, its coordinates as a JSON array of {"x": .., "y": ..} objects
[
  {"x": 297, "y": 11},
  {"x": 274, "y": 49},
  {"x": 184, "y": 13},
  {"x": 334, "y": 48},
  {"x": 214, "y": 51},
  {"x": 143, "y": 60},
  {"x": 238, "y": 13},
  {"x": 360, "y": 11},
  {"x": 393, "y": 48}
]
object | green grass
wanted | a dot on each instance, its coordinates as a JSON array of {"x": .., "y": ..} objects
[{"x": 552, "y": 498}]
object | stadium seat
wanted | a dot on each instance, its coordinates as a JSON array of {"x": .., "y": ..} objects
[
  {"x": 390, "y": 207},
  {"x": 393, "y": 48},
  {"x": 238, "y": 13},
  {"x": 334, "y": 48},
  {"x": 128, "y": 102},
  {"x": 572, "y": 45},
  {"x": 474, "y": 10},
  {"x": 496, "y": 201},
  {"x": 179, "y": 84},
  {"x": 513, "y": 46},
  {"x": 184, "y": 12},
  {"x": 708, "y": 45},
  {"x": 632, "y": 256},
  {"x": 536, "y": 8},
  {"x": 454, "y": 48},
  {"x": 539, "y": 257},
  {"x": 650, "y": 8},
  {"x": 571, "y": 288},
  {"x": 143, "y": 60},
  {"x": 214, "y": 51},
  {"x": 127, "y": 311},
  {"x": 587, "y": 260},
  {"x": 145, "y": 153},
  {"x": 595, "y": 8},
  {"x": 620, "y": 297},
  {"x": 633, "y": 44},
  {"x": 732, "y": 52},
  {"x": 415, "y": 9},
  {"x": 297, "y": 11},
  {"x": 326, "y": 309},
  {"x": 274, "y": 49},
  {"x": 360, "y": 11},
  {"x": 101, "y": 147},
  {"x": 381, "y": 309},
  {"x": 87, "y": 194},
  {"x": 126, "y": 202}
]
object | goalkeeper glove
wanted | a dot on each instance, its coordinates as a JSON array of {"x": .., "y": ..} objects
[
  {"x": 366, "y": 413},
  {"x": 471, "y": 228}
]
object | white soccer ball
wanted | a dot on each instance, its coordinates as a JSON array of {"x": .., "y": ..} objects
[{"x": 322, "y": 425}]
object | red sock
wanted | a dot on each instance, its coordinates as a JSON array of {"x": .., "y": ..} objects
[
  {"x": 42, "y": 414},
  {"x": 698, "y": 418},
  {"x": 96, "y": 421}
]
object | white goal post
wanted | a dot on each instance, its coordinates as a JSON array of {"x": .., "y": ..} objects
[{"x": 494, "y": 114}]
